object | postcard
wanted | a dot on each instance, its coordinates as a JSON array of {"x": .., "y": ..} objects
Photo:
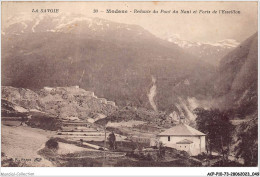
[{"x": 130, "y": 84}]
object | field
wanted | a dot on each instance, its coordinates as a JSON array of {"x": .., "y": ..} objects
[{"x": 22, "y": 143}]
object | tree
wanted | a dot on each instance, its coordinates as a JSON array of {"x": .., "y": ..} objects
[
  {"x": 52, "y": 144},
  {"x": 112, "y": 141},
  {"x": 218, "y": 128},
  {"x": 247, "y": 147},
  {"x": 202, "y": 123},
  {"x": 161, "y": 151}
]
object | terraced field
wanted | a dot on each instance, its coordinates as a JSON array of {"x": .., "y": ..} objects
[{"x": 80, "y": 130}]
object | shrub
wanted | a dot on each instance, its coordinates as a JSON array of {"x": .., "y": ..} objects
[
  {"x": 52, "y": 144},
  {"x": 201, "y": 156},
  {"x": 148, "y": 157},
  {"x": 184, "y": 154}
]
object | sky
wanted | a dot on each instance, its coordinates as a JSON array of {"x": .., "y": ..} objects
[{"x": 193, "y": 27}]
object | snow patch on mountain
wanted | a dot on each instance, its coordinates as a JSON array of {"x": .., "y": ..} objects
[
  {"x": 25, "y": 25},
  {"x": 226, "y": 43},
  {"x": 210, "y": 52},
  {"x": 22, "y": 19},
  {"x": 38, "y": 20},
  {"x": 63, "y": 22},
  {"x": 72, "y": 21},
  {"x": 229, "y": 43}
]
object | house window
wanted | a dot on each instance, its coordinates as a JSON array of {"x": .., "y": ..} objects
[{"x": 169, "y": 138}]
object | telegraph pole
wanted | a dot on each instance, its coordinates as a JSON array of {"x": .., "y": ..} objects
[{"x": 105, "y": 142}]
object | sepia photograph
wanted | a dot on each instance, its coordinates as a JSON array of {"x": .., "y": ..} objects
[{"x": 129, "y": 84}]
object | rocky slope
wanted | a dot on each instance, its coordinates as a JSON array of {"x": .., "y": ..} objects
[
  {"x": 128, "y": 114},
  {"x": 236, "y": 79},
  {"x": 62, "y": 102}
]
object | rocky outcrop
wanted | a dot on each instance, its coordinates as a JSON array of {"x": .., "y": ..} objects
[{"x": 63, "y": 102}]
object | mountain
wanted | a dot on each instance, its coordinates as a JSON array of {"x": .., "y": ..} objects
[
  {"x": 70, "y": 24},
  {"x": 235, "y": 91},
  {"x": 236, "y": 79},
  {"x": 207, "y": 52},
  {"x": 119, "y": 62}
]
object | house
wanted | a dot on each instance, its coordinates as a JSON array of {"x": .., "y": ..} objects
[{"x": 183, "y": 137}]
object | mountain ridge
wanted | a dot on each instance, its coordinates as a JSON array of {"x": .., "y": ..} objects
[
  {"x": 210, "y": 52},
  {"x": 236, "y": 79},
  {"x": 118, "y": 67}
]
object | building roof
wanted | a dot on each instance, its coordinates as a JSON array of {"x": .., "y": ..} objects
[
  {"x": 181, "y": 130},
  {"x": 185, "y": 141}
]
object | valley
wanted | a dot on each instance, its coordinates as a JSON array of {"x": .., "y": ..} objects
[{"x": 83, "y": 96}]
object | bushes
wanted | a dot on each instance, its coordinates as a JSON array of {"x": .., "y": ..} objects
[
  {"x": 185, "y": 154},
  {"x": 142, "y": 155},
  {"x": 202, "y": 156},
  {"x": 52, "y": 144},
  {"x": 227, "y": 164},
  {"x": 174, "y": 163},
  {"x": 86, "y": 162}
]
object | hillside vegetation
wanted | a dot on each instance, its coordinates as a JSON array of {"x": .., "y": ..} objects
[{"x": 236, "y": 80}]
